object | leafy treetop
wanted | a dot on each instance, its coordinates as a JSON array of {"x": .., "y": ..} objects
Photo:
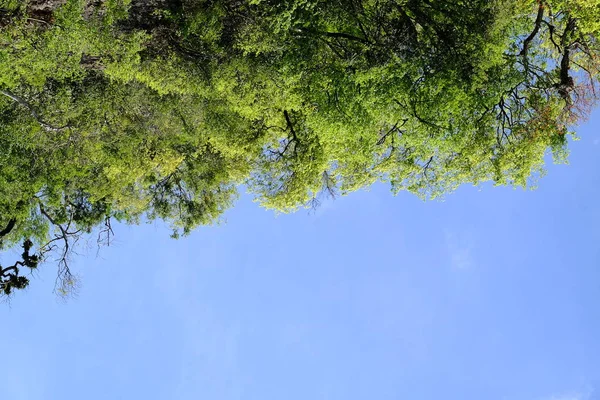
[{"x": 132, "y": 110}]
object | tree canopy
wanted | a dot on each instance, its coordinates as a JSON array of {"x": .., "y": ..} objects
[{"x": 134, "y": 110}]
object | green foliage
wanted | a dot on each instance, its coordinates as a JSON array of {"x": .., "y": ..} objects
[{"x": 143, "y": 109}]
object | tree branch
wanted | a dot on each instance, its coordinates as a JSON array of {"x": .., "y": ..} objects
[
  {"x": 341, "y": 35},
  {"x": 566, "y": 81},
  {"x": 536, "y": 29},
  {"x": 47, "y": 127},
  {"x": 9, "y": 227}
]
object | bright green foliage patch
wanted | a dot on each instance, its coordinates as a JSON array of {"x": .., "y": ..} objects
[{"x": 133, "y": 110}]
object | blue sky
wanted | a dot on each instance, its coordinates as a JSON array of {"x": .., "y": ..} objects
[{"x": 493, "y": 293}]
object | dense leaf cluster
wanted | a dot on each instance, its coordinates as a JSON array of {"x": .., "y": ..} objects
[{"x": 133, "y": 110}]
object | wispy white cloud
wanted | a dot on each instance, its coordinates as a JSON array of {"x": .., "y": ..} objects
[
  {"x": 584, "y": 394},
  {"x": 460, "y": 249},
  {"x": 568, "y": 396}
]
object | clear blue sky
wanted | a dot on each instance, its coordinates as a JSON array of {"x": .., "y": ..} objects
[{"x": 493, "y": 293}]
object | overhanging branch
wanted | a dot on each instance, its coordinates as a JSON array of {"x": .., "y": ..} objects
[{"x": 21, "y": 101}]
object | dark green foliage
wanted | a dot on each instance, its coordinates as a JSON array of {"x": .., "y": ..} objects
[{"x": 132, "y": 110}]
